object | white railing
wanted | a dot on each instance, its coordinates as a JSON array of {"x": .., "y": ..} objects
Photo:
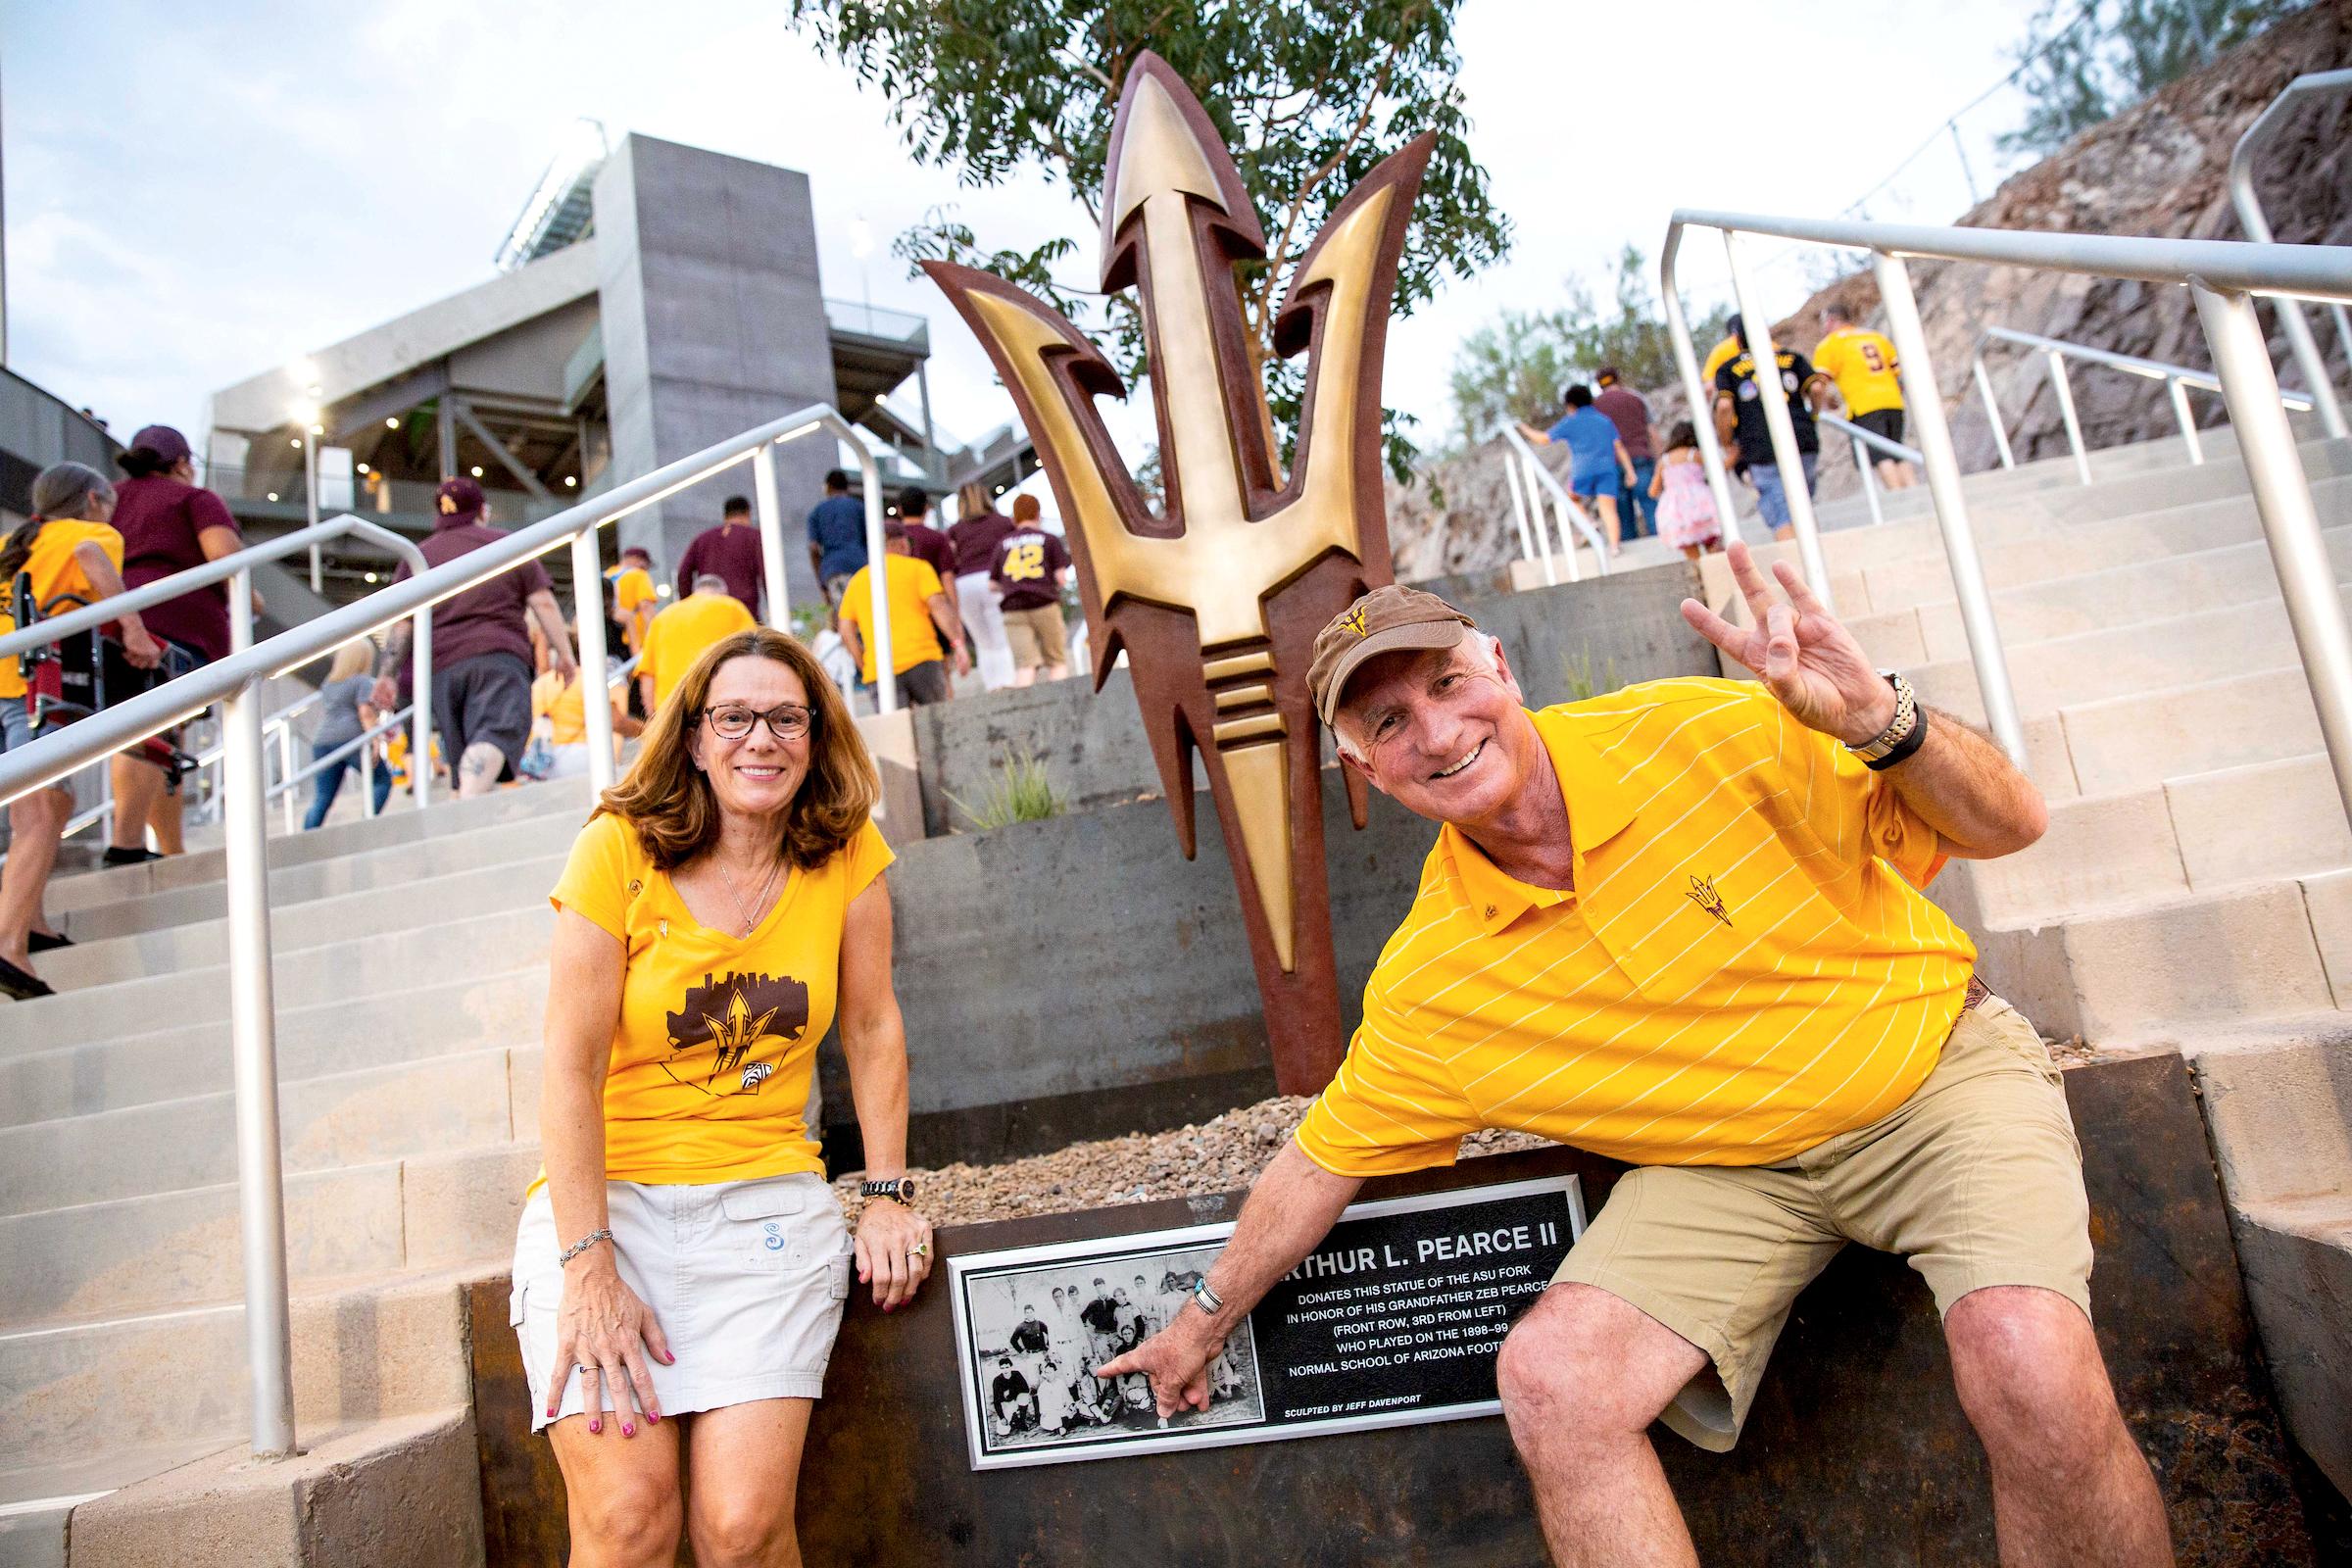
[
  {"x": 1874, "y": 442},
  {"x": 1531, "y": 484},
  {"x": 235, "y": 682},
  {"x": 2323, "y": 83},
  {"x": 2221, "y": 278},
  {"x": 2177, "y": 379}
]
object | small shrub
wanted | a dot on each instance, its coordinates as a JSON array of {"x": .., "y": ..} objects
[
  {"x": 1020, "y": 792},
  {"x": 1577, "y": 671}
]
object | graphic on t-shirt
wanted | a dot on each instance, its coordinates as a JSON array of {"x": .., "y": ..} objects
[{"x": 730, "y": 1019}]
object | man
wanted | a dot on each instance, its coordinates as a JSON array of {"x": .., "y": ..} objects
[
  {"x": 836, "y": 537},
  {"x": 1028, "y": 573},
  {"x": 1630, "y": 415},
  {"x": 1740, "y": 418},
  {"x": 1679, "y": 925},
  {"x": 1724, "y": 351},
  {"x": 634, "y": 598},
  {"x": 1009, "y": 1399},
  {"x": 979, "y": 529},
  {"x": 920, "y": 620},
  {"x": 482, "y": 661},
  {"x": 733, "y": 552},
  {"x": 1597, "y": 457},
  {"x": 927, "y": 544},
  {"x": 1862, "y": 365},
  {"x": 1030, "y": 1337},
  {"x": 1102, "y": 1319},
  {"x": 682, "y": 631}
]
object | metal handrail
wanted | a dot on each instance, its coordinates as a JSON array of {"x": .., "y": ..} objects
[
  {"x": 233, "y": 681},
  {"x": 1564, "y": 509},
  {"x": 2221, "y": 277},
  {"x": 2258, "y": 228},
  {"x": 2177, "y": 378},
  {"x": 1875, "y": 442}
]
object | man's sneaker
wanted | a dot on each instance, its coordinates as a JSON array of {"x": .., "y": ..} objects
[{"x": 116, "y": 855}]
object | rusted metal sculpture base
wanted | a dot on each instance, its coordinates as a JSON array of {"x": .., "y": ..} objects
[{"x": 1857, "y": 1451}]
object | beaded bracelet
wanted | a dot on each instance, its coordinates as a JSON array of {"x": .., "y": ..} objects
[{"x": 584, "y": 1244}]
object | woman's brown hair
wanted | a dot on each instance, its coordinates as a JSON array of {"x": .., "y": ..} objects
[{"x": 667, "y": 799}]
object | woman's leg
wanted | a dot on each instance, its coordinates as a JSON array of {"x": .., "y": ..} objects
[
  {"x": 33, "y": 826},
  {"x": 622, "y": 1493},
  {"x": 138, "y": 786},
  {"x": 744, "y": 1476},
  {"x": 326, "y": 783}
]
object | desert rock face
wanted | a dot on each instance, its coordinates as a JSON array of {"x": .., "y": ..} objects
[{"x": 2159, "y": 168}]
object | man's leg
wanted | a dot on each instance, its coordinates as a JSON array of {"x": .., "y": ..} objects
[
  {"x": 1583, "y": 1376},
  {"x": 137, "y": 787},
  {"x": 2068, "y": 1486}
]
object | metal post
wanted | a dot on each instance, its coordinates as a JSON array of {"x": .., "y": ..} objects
[
  {"x": 421, "y": 709},
  {"x": 1934, "y": 439},
  {"x": 1783, "y": 430},
  {"x": 1564, "y": 525},
  {"x": 2283, "y": 496},
  {"x": 285, "y": 770},
  {"x": 1701, "y": 398},
  {"x": 1870, "y": 483},
  {"x": 2189, "y": 421},
  {"x": 771, "y": 536},
  {"x": 368, "y": 780},
  {"x": 2065, "y": 412},
  {"x": 1992, "y": 414},
  {"x": 253, "y": 1054},
  {"x": 1510, "y": 476},
  {"x": 2291, "y": 320},
  {"x": 596, "y": 690},
  {"x": 886, "y": 679},
  {"x": 1544, "y": 520}
]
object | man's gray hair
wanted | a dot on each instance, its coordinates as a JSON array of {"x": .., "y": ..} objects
[
  {"x": 709, "y": 582},
  {"x": 1482, "y": 648}
]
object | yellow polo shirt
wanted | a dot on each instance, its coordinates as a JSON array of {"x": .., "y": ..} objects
[
  {"x": 912, "y": 585},
  {"x": 1863, "y": 365},
  {"x": 681, "y": 633},
  {"x": 1745, "y": 968},
  {"x": 634, "y": 602}
]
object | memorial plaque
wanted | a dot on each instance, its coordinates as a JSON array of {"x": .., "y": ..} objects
[{"x": 1395, "y": 1318}]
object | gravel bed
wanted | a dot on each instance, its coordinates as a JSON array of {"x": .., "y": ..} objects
[{"x": 1219, "y": 1155}]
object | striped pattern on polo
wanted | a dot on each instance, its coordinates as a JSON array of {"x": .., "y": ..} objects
[{"x": 1745, "y": 966}]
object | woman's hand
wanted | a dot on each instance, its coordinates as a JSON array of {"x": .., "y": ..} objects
[
  {"x": 608, "y": 1333},
  {"x": 888, "y": 1236}
]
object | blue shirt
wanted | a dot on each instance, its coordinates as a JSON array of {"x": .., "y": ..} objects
[
  {"x": 1591, "y": 439},
  {"x": 837, "y": 528}
]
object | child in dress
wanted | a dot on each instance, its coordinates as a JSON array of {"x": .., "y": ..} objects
[{"x": 1686, "y": 507}]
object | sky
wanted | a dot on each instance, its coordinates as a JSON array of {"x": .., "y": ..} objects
[{"x": 196, "y": 194}]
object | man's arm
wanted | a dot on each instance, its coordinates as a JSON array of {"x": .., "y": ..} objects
[
  {"x": 1959, "y": 783},
  {"x": 1726, "y": 417},
  {"x": 1540, "y": 438},
  {"x": 542, "y": 604},
  {"x": 951, "y": 629},
  {"x": 388, "y": 662},
  {"x": 1291, "y": 1207}
]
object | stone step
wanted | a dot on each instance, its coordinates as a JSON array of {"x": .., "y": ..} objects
[
  {"x": 164, "y": 1249},
  {"x": 2140, "y": 740},
  {"x": 37, "y": 1501},
  {"x": 296, "y": 929},
  {"x": 332, "y": 1037},
  {"x": 428, "y": 1105},
  {"x": 380, "y": 967},
  {"x": 360, "y": 1351}
]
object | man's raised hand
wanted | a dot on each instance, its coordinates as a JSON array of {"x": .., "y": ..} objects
[
  {"x": 1801, "y": 653},
  {"x": 1176, "y": 1360}
]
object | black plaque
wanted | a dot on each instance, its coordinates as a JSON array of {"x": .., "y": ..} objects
[{"x": 1397, "y": 1318}]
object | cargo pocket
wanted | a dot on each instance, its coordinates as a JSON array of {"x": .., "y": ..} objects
[
  {"x": 837, "y": 1282},
  {"x": 762, "y": 1224}
]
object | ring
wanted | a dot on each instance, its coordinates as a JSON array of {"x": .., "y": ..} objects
[{"x": 919, "y": 1249}]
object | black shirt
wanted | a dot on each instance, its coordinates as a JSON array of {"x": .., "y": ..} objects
[
  {"x": 1030, "y": 1338},
  {"x": 1738, "y": 381},
  {"x": 1009, "y": 1386},
  {"x": 1101, "y": 1314}
]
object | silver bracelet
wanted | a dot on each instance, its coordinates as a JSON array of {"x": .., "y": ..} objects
[
  {"x": 1209, "y": 1301},
  {"x": 582, "y": 1245}
]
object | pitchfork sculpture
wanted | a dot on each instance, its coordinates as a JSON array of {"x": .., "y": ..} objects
[{"x": 1217, "y": 599}]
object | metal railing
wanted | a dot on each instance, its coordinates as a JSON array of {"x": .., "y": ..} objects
[
  {"x": 2177, "y": 379},
  {"x": 2322, "y": 84},
  {"x": 2221, "y": 277},
  {"x": 1531, "y": 484},
  {"x": 1863, "y": 465},
  {"x": 233, "y": 681}
]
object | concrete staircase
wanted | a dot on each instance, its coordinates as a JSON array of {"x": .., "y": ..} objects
[{"x": 2194, "y": 894}]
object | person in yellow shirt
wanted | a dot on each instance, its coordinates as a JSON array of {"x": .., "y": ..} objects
[
  {"x": 1681, "y": 925},
  {"x": 678, "y": 635},
  {"x": 635, "y": 599},
  {"x": 1862, "y": 365},
  {"x": 1723, "y": 353},
  {"x": 65, "y": 556},
  {"x": 920, "y": 620},
  {"x": 557, "y": 704}
]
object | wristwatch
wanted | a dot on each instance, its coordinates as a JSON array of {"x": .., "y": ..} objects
[
  {"x": 898, "y": 1188},
  {"x": 1903, "y": 735}
]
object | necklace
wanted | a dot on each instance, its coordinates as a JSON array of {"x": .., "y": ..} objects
[{"x": 759, "y": 904}]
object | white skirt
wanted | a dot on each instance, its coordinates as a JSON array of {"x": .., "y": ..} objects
[{"x": 747, "y": 1280}]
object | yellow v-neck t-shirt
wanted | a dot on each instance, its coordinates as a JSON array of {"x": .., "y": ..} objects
[{"x": 709, "y": 1075}]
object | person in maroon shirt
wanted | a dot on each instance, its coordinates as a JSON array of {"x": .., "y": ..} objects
[
  {"x": 482, "y": 659},
  {"x": 169, "y": 524},
  {"x": 1630, "y": 415},
  {"x": 928, "y": 545},
  {"x": 979, "y": 529},
  {"x": 731, "y": 551}
]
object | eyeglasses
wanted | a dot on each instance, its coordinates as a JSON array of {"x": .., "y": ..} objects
[{"x": 786, "y": 721}]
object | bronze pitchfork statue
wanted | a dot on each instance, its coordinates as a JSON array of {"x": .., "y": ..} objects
[{"x": 1217, "y": 600}]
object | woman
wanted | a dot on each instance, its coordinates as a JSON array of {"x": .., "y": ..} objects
[
  {"x": 168, "y": 525},
  {"x": 346, "y": 715},
  {"x": 68, "y": 555},
  {"x": 559, "y": 699},
  {"x": 720, "y": 907}
]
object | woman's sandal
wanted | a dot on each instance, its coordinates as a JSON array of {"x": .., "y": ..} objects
[{"x": 21, "y": 985}]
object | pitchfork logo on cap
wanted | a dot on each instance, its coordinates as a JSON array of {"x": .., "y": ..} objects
[{"x": 1354, "y": 620}]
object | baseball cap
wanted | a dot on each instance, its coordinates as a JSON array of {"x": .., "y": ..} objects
[
  {"x": 161, "y": 440},
  {"x": 1607, "y": 374},
  {"x": 1385, "y": 621},
  {"x": 460, "y": 497}
]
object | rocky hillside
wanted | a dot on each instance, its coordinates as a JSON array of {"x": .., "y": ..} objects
[{"x": 2157, "y": 169}]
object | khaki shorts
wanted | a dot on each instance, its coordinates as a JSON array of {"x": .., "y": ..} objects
[
  {"x": 1036, "y": 637},
  {"x": 1976, "y": 1179}
]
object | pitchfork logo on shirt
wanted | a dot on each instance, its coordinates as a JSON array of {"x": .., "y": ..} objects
[
  {"x": 1702, "y": 893},
  {"x": 714, "y": 1040}
]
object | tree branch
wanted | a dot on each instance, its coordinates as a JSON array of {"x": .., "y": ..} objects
[{"x": 1263, "y": 298}]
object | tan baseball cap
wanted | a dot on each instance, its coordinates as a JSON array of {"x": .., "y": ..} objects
[{"x": 1385, "y": 621}]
